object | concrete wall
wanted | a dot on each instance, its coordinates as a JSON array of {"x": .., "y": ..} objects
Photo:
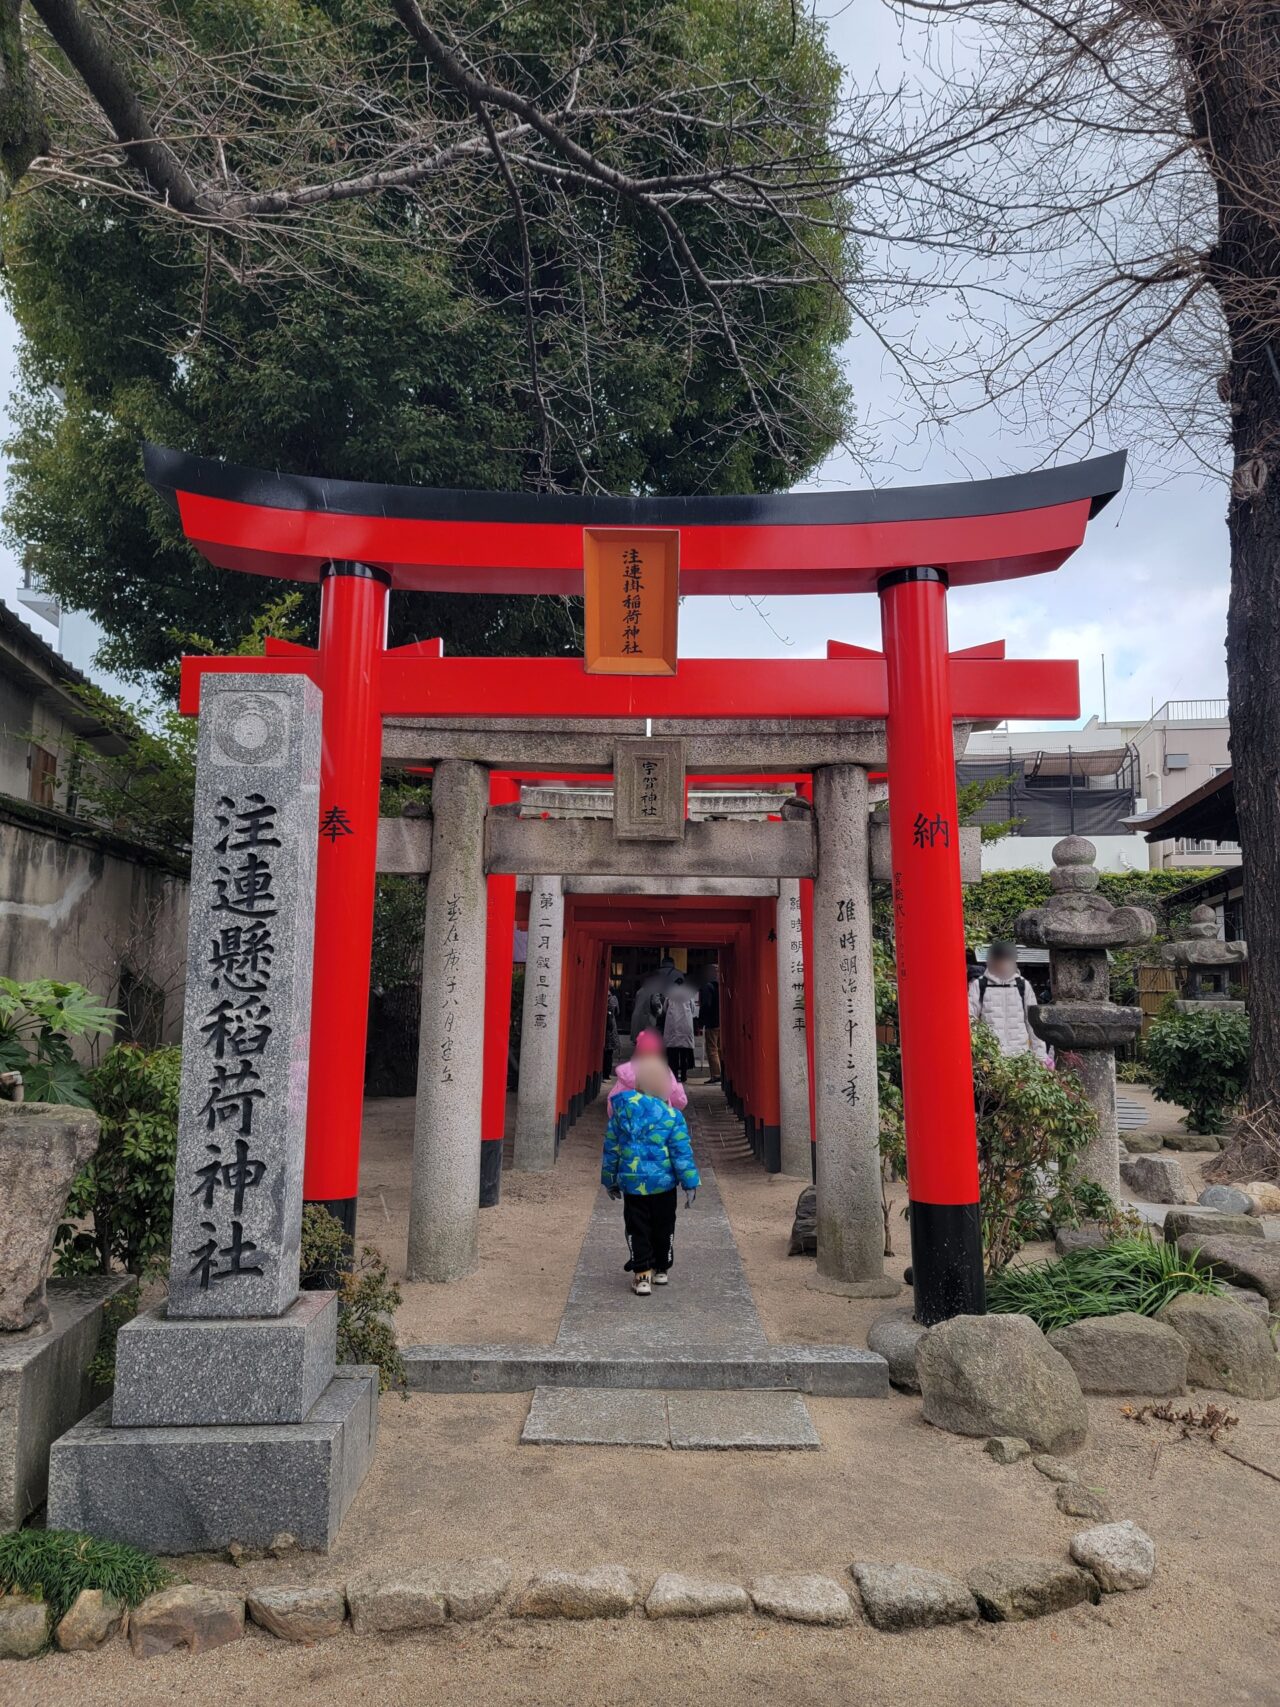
[{"x": 76, "y": 905}]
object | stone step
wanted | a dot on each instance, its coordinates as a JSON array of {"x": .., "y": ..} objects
[
  {"x": 825, "y": 1371},
  {"x": 712, "y": 1421}
]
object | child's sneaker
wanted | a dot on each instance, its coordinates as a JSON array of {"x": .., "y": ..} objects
[
  {"x": 640, "y": 1286},
  {"x": 662, "y": 1279}
]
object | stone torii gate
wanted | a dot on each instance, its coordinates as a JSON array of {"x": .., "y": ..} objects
[{"x": 907, "y": 545}]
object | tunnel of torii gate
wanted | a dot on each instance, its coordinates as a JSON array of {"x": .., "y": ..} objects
[{"x": 484, "y": 724}]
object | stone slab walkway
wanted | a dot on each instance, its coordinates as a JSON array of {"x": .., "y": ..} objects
[
  {"x": 685, "y": 1421},
  {"x": 706, "y": 1309},
  {"x": 700, "y": 1333},
  {"x": 708, "y": 1303}
]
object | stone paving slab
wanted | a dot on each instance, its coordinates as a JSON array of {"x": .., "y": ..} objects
[
  {"x": 827, "y": 1371},
  {"x": 762, "y": 1422},
  {"x": 708, "y": 1302},
  {"x": 690, "y": 1422},
  {"x": 580, "y": 1416}
]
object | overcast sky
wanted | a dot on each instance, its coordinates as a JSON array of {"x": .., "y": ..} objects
[{"x": 1148, "y": 589}]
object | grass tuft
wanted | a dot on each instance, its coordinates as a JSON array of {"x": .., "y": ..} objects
[
  {"x": 1139, "y": 1274},
  {"x": 56, "y": 1564}
]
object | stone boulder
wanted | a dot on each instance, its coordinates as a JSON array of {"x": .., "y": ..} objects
[
  {"x": 802, "y": 1598},
  {"x": 1142, "y": 1143},
  {"x": 1210, "y": 1224},
  {"x": 1124, "y": 1354},
  {"x": 187, "y": 1616},
  {"x": 678, "y": 1596},
  {"x": 1229, "y": 1198},
  {"x": 1073, "y": 1500},
  {"x": 387, "y": 1603},
  {"x": 93, "y": 1618},
  {"x": 1091, "y": 1236},
  {"x": 895, "y": 1336},
  {"x": 1053, "y": 1468},
  {"x": 1010, "y": 1590},
  {"x": 43, "y": 1146},
  {"x": 1228, "y": 1347},
  {"x": 299, "y": 1612},
  {"x": 905, "y": 1597},
  {"x": 804, "y": 1229},
  {"x": 1155, "y": 1179},
  {"x": 1196, "y": 1142},
  {"x": 24, "y": 1626},
  {"x": 1007, "y": 1449},
  {"x": 609, "y": 1591},
  {"x": 1264, "y": 1195},
  {"x": 1120, "y": 1555},
  {"x": 989, "y": 1375},
  {"x": 1245, "y": 1262}
]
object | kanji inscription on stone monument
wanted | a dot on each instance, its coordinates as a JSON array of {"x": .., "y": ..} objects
[
  {"x": 242, "y": 1128},
  {"x": 648, "y": 790}
]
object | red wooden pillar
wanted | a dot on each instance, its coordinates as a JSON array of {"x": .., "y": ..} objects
[
  {"x": 353, "y": 628},
  {"x": 500, "y": 924},
  {"x": 933, "y": 1009}
]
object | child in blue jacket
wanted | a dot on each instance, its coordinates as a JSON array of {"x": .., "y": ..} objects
[{"x": 647, "y": 1157}]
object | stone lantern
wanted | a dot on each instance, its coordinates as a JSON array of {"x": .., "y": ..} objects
[
  {"x": 1078, "y": 926},
  {"x": 1208, "y": 961}
]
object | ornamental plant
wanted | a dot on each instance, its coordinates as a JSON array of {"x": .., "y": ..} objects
[
  {"x": 38, "y": 1021},
  {"x": 1032, "y": 1125},
  {"x": 56, "y": 1564},
  {"x": 367, "y": 1296},
  {"x": 1200, "y": 1060},
  {"x": 1138, "y": 1274},
  {"x": 120, "y": 1208}
]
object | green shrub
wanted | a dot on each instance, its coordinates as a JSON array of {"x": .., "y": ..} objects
[
  {"x": 1139, "y": 1274},
  {"x": 37, "y": 1022},
  {"x": 1200, "y": 1060},
  {"x": 56, "y": 1564},
  {"x": 367, "y": 1296},
  {"x": 125, "y": 1193},
  {"x": 1032, "y": 1125}
]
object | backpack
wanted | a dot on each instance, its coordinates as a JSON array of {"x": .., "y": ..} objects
[{"x": 984, "y": 984}]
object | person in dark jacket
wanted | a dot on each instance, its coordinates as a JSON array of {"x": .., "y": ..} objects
[
  {"x": 709, "y": 1013},
  {"x": 647, "y": 1158},
  {"x": 611, "y": 1012}
]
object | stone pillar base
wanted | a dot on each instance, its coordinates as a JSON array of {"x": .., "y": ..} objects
[
  {"x": 879, "y": 1286},
  {"x": 182, "y": 1372},
  {"x": 196, "y": 1490},
  {"x": 45, "y": 1387}
]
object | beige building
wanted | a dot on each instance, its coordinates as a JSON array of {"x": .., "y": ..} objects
[
  {"x": 77, "y": 902},
  {"x": 1093, "y": 781}
]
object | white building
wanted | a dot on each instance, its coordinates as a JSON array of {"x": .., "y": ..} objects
[{"x": 1089, "y": 781}]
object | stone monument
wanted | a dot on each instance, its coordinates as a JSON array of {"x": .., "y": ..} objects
[
  {"x": 1078, "y": 926},
  {"x": 48, "y": 1329},
  {"x": 229, "y": 1391},
  {"x": 1208, "y": 963}
]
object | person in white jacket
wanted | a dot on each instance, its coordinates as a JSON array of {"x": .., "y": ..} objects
[{"x": 1000, "y": 999}]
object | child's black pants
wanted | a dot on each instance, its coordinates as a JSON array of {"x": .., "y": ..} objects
[{"x": 650, "y": 1223}]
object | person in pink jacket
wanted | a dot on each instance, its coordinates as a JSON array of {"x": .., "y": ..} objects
[{"x": 624, "y": 1082}]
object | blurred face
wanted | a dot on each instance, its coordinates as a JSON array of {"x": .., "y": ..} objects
[{"x": 1002, "y": 966}]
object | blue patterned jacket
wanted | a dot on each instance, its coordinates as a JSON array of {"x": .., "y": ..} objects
[{"x": 647, "y": 1148}]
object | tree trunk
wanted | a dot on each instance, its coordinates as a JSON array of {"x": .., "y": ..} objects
[{"x": 1232, "y": 63}]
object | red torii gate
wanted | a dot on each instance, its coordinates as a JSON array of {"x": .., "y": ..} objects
[{"x": 907, "y": 544}]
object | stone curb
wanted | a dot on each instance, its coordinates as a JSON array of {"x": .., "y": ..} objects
[{"x": 427, "y": 1597}]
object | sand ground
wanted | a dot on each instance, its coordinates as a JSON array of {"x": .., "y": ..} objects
[{"x": 452, "y": 1482}]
